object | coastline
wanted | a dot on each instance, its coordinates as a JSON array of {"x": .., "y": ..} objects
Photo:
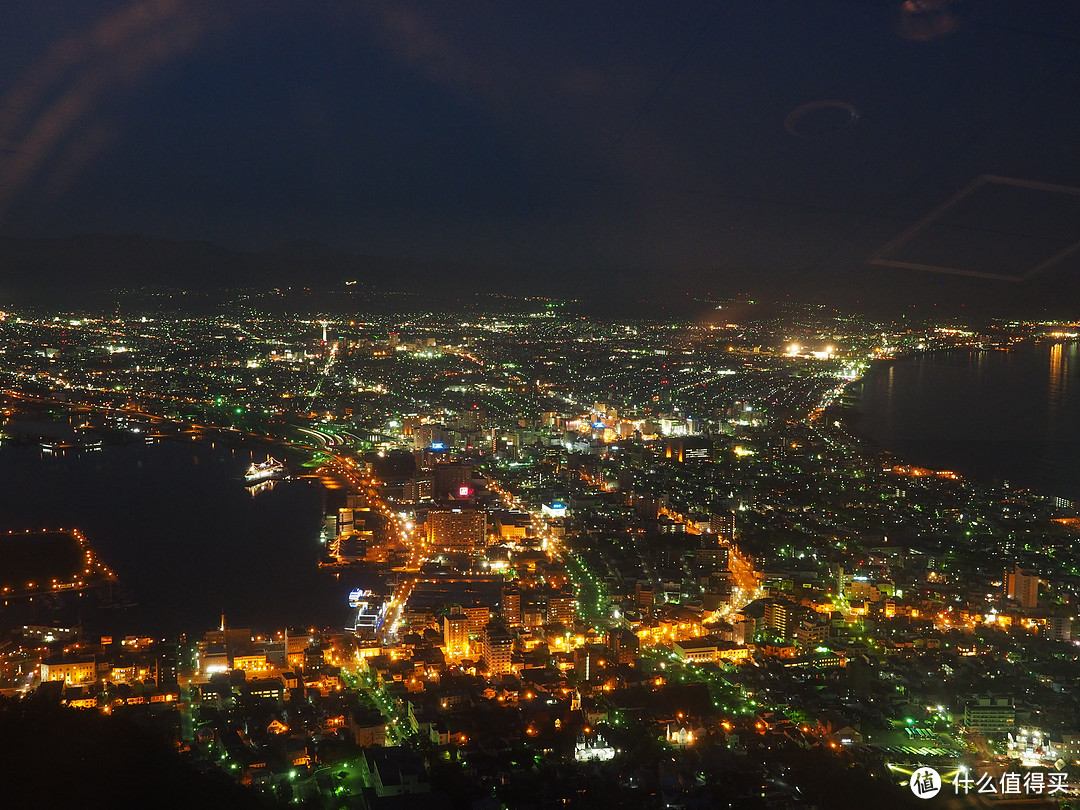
[
  {"x": 175, "y": 519},
  {"x": 973, "y": 458}
]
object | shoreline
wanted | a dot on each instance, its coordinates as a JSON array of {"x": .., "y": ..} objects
[
  {"x": 157, "y": 565},
  {"x": 852, "y": 416}
]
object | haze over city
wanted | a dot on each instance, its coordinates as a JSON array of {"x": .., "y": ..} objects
[{"x": 625, "y": 150}]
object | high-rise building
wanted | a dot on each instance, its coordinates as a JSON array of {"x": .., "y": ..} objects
[
  {"x": 456, "y": 635},
  {"x": 590, "y": 661},
  {"x": 625, "y": 645},
  {"x": 688, "y": 448},
  {"x": 644, "y": 595},
  {"x": 532, "y": 614},
  {"x": 1059, "y": 628},
  {"x": 498, "y": 648},
  {"x": 296, "y": 641},
  {"x": 561, "y": 609},
  {"x": 710, "y": 555},
  {"x": 811, "y": 631},
  {"x": 511, "y": 606},
  {"x": 417, "y": 489},
  {"x": 450, "y": 478},
  {"x": 457, "y": 529},
  {"x": 780, "y": 616},
  {"x": 1022, "y": 586},
  {"x": 723, "y": 524},
  {"x": 427, "y": 437},
  {"x": 478, "y": 616}
]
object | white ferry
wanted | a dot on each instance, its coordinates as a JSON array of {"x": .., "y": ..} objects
[{"x": 264, "y": 471}]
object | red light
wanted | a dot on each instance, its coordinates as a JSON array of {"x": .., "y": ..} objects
[{"x": 464, "y": 492}]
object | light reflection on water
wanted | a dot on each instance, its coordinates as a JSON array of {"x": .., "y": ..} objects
[
  {"x": 183, "y": 533},
  {"x": 996, "y": 415}
]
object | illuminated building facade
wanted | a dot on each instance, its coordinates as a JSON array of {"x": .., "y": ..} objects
[
  {"x": 511, "y": 606},
  {"x": 457, "y": 529},
  {"x": 1022, "y": 586},
  {"x": 723, "y": 524},
  {"x": 561, "y": 609},
  {"x": 69, "y": 670},
  {"x": 456, "y": 635},
  {"x": 296, "y": 641},
  {"x": 478, "y": 616},
  {"x": 780, "y": 616},
  {"x": 498, "y": 649}
]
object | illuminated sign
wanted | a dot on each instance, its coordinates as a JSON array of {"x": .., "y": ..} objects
[
  {"x": 438, "y": 446},
  {"x": 464, "y": 491}
]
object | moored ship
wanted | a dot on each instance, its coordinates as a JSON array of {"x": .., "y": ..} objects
[{"x": 264, "y": 471}]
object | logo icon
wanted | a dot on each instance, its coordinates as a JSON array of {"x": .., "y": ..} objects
[{"x": 925, "y": 782}]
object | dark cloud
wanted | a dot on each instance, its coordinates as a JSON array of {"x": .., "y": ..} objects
[{"x": 702, "y": 143}]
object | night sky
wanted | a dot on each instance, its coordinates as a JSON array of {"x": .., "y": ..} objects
[{"x": 686, "y": 146}]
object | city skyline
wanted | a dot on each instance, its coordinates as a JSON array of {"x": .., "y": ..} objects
[
  {"x": 509, "y": 406},
  {"x": 339, "y": 559}
]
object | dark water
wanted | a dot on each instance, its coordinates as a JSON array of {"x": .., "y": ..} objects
[
  {"x": 186, "y": 538},
  {"x": 997, "y": 416}
]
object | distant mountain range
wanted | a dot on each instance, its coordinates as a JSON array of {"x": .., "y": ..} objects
[
  {"x": 85, "y": 270},
  {"x": 93, "y": 272}
]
